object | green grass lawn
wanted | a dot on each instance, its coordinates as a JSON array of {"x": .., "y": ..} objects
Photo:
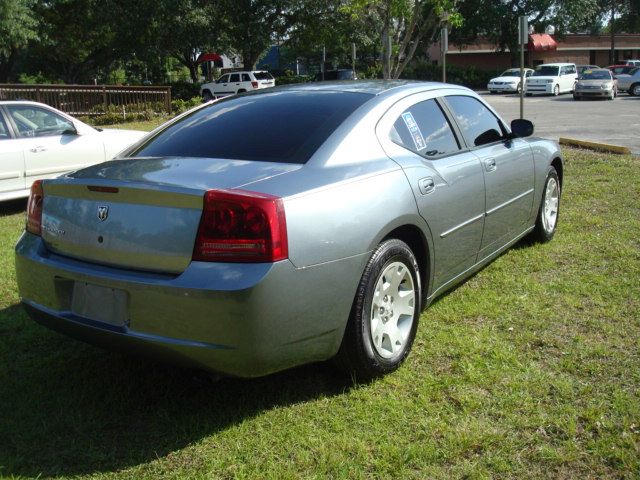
[{"x": 531, "y": 369}]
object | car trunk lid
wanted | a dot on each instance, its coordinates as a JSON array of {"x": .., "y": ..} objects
[{"x": 140, "y": 214}]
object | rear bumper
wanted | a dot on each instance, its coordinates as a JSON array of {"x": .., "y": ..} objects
[{"x": 244, "y": 320}]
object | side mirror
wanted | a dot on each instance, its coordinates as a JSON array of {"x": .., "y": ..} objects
[{"x": 521, "y": 127}]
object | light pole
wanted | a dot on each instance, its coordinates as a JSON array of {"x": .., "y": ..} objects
[
  {"x": 444, "y": 44},
  {"x": 523, "y": 37}
]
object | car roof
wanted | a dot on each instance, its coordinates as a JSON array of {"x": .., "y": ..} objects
[
  {"x": 371, "y": 87},
  {"x": 560, "y": 64}
]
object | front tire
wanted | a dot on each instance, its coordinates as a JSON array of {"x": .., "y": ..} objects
[
  {"x": 556, "y": 90},
  {"x": 207, "y": 96},
  {"x": 634, "y": 90},
  {"x": 547, "y": 220},
  {"x": 384, "y": 316}
]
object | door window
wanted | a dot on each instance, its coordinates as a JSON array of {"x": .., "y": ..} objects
[
  {"x": 38, "y": 122},
  {"x": 4, "y": 131},
  {"x": 245, "y": 77},
  {"x": 223, "y": 79},
  {"x": 234, "y": 78},
  {"x": 478, "y": 124},
  {"x": 425, "y": 130}
]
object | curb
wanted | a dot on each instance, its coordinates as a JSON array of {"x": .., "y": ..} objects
[{"x": 600, "y": 147}]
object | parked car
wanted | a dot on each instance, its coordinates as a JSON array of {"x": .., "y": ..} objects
[
  {"x": 38, "y": 141},
  {"x": 630, "y": 82},
  {"x": 582, "y": 68},
  {"x": 552, "y": 79},
  {"x": 619, "y": 69},
  {"x": 237, "y": 82},
  {"x": 596, "y": 83},
  {"x": 321, "y": 234},
  {"x": 508, "y": 81},
  {"x": 633, "y": 63},
  {"x": 340, "y": 74}
]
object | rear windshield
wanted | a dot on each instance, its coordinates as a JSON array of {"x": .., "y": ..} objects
[
  {"x": 286, "y": 126},
  {"x": 546, "y": 72},
  {"x": 263, "y": 76}
]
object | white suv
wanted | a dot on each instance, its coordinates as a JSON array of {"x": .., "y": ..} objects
[
  {"x": 552, "y": 78},
  {"x": 237, "y": 82}
]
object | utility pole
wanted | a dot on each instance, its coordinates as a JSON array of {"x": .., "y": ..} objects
[
  {"x": 523, "y": 31},
  {"x": 353, "y": 59},
  {"x": 444, "y": 46},
  {"x": 324, "y": 60},
  {"x": 612, "y": 53}
]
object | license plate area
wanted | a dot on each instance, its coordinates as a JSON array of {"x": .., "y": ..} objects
[{"x": 101, "y": 304}]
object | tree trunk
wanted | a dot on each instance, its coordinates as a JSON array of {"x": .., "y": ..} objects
[{"x": 6, "y": 65}]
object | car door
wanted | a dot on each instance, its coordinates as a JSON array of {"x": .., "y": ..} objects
[
  {"x": 234, "y": 83},
  {"x": 50, "y": 143},
  {"x": 222, "y": 86},
  {"x": 508, "y": 169},
  {"x": 446, "y": 179},
  {"x": 11, "y": 162}
]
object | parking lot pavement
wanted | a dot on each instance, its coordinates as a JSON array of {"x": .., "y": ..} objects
[{"x": 616, "y": 122}]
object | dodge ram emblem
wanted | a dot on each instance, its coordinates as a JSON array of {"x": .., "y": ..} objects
[{"x": 103, "y": 212}]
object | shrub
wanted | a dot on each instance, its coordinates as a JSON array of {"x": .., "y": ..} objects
[
  {"x": 422, "y": 69},
  {"x": 184, "y": 90},
  {"x": 179, "y": 105}
]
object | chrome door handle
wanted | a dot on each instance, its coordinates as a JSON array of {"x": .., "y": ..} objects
[
  {"x": 38, "y": 149},
  {"x": 490, "y": 164},
  {"x": 426, "y": 185}
]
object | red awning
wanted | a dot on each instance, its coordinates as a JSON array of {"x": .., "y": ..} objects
[
  {"x": 209, "y": 57},
  {"x": 541, "y": 42}
]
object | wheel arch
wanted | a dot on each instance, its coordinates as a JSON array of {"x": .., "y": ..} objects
[
  {"x": 557, "y": 164},
  {"x": 419, "y": 245}
]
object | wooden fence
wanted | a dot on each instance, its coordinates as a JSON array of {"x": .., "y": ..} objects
[{"x": 83, "y": 99}]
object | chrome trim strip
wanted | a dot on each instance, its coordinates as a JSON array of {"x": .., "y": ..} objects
[
  {"x": 509, "y": 202},
  {"x": 462, "y": 225},
  {"x": 10, "y": 175}
]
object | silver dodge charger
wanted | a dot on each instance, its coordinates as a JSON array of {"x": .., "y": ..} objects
[{"x": 287, "y": 226}]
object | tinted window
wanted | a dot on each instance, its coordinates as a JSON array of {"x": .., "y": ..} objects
[
  {"x": 223, "y": 79},
  {"x": 545, "y": 71},
  {"x": 275, "y": 126},
  {"x": 235, "y": 77},
  {"x": 424, "y": 129},
  {"x": 38, "y": 122},
  {"x": 263, "y": 76},
  {"x": 478, "y": 124},
  {"x": 246, "y": 77}
]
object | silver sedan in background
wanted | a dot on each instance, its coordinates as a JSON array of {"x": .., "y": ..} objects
[
  {"x": 597, "y": 83},
  {"x": 287, "y": 226}
]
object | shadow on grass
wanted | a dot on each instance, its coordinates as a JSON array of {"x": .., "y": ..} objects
[
  {"x": 68, "y": 409},
  {"x": 11, "y": 207}
]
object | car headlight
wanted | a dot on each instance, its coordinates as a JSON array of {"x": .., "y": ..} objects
[
  {"x": 580, "y": 84},
  {"x": 606, "y": 86}
]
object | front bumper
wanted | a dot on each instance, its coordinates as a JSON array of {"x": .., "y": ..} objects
[
  {"x": 492, "y": 87},
  {"x": 541, "y": 89},
  {"x": 591, "y": 92},
  {"x": 243, "y": 320}
]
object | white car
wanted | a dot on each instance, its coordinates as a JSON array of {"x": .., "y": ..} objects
[
  {"x": 552, "y": 79},
  {"x": 508, "y": 81},
  {"x": 38, "y": 141},
  {"x": 237, "y": 82}
]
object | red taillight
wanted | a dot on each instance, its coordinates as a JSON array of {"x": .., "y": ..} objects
[
  {"x": 254, "y": 84},
  {"x": 241, "y": 226},
  {"x": 34, "y": 208}
]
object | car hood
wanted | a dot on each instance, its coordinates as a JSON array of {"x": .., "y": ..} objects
[
  {"x": 192, "y": 173},
  {"x": 505, "y": 79}
]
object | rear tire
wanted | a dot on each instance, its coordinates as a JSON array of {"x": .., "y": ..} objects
[
  {"x": 207, "y": 96},
  {"x": 378, "y": 339},
  {"x": 548, "y": 213},
  {"x": 242, "y": 90},
  {"x": 634, "y": 89}
]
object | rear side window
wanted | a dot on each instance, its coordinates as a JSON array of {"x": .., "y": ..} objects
[
  {"x": 263, "y": 76},
  {"x": 274, "y": 127},
  {"x": 478, "y": 124},
  {"x": 235, "y": 77},
  {"x": 246, "y": 77},
  {"x": 424, "y": 129}
]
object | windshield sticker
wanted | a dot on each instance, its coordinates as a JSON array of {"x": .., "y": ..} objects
[{"x": 414, "y": 130}]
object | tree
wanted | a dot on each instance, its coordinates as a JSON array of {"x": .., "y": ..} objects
[
  {"x": 18, "y": 26},
  {"x": 403, "y": 25}
]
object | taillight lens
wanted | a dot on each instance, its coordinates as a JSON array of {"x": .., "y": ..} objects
[
  {"x": 254, "y": 84},
  {"x": 34, "y": 208},
  {"x": 241, "y": 226}
]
